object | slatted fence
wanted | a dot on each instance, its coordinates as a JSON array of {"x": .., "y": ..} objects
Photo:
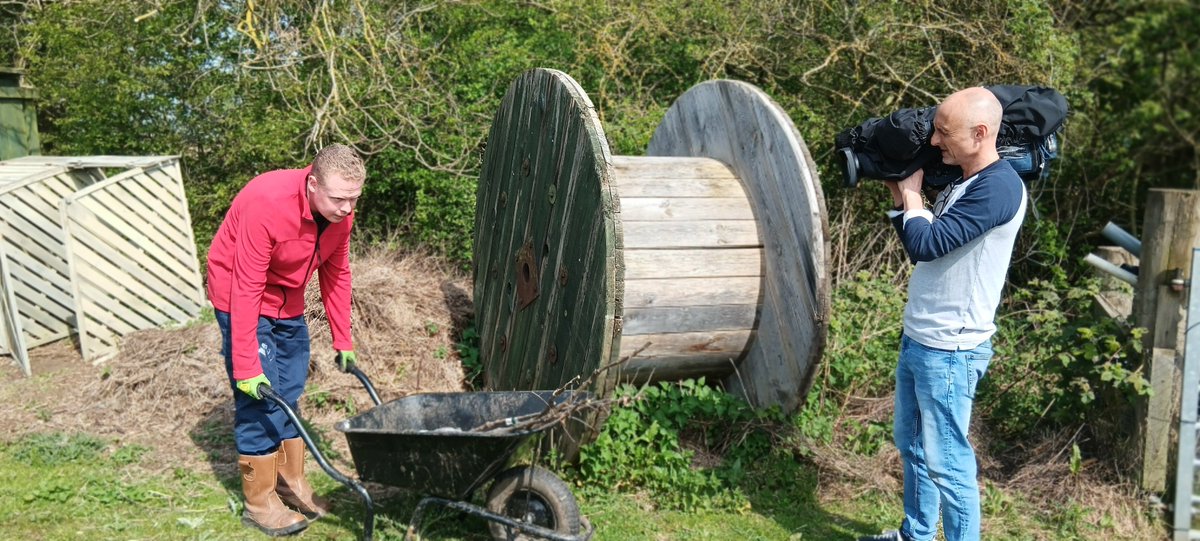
[
  {"x": 38, "y": 287},
  {"x": 143, "y": 207},
  {"x": 131, "y": 255}
]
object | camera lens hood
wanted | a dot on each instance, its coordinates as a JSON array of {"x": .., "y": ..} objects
[{"x": 849, "y": 164}]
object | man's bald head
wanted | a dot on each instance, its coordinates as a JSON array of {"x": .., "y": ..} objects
[
  {"x": 965, "y": 128},
  {"x": 972, "y": 107}
]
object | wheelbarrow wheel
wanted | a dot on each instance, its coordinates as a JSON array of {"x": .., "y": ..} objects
[{"x": 532, "y": 495}]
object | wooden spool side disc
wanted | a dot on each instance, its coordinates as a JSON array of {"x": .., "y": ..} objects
[
  {"x": 738, "y": 124},
  {"x": 548, "y": 264}
]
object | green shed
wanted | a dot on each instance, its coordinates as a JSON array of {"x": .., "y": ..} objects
[{"x": 18, "y": 116}]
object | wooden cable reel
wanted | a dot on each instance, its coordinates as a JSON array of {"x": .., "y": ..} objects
[{"x": 712, "y": 249}]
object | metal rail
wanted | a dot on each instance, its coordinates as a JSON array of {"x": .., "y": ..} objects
[{"x": 1186, "y": 499}]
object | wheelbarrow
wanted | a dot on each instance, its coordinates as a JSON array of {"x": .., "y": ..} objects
[{"x": 430, "y": 443}]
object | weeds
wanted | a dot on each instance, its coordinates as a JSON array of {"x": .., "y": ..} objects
[
  {"x": 687, "y": 444},
  {"x": 468, "y": 352},
  {"x": 54, "y": 449}
]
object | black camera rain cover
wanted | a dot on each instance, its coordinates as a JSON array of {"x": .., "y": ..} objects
[
  {"x": 893, "y": 147},
  {"x": 1030, "y": 112}
]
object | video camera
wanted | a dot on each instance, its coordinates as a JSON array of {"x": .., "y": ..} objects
[{"x": 895, "y": 146}]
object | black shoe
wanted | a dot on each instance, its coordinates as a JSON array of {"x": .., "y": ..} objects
[{"x": 890, "y": 535}]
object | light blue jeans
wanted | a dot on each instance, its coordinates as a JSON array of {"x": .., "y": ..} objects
[{"x": 935, "y": 390}]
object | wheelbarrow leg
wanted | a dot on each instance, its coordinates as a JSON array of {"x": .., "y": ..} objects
[
  {"x": 369, "y": 520},
  {"x": 476, "y": 511}
]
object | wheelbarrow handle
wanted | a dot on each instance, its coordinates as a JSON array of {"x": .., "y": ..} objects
[
  {"x": 268, "y": 393},
  {"x": 366, "y": 382}
]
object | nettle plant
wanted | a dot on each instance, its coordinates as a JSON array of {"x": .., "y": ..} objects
[
  {"x": 687, "y": 444},
  {"x": 468, "y": 352}
]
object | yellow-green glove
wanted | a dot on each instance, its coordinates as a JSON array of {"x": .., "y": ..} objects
[
  {"x": 345, "y": 360},
  {"x": 250, "y": 386}
]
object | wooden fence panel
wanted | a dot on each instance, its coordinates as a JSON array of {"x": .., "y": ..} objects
[
  {"x": 37, "y": 284},
  {"x": 131, "y": 256},
  {"x": 12, "y": 338}
]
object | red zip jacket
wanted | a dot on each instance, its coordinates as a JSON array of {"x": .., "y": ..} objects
[{"x": 262, "y": 257}]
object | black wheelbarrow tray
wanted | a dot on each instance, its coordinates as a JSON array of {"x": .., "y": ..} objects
[{"x": 426, "y": 443}]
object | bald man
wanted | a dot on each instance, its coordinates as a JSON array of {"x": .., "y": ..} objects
[{"x": 961, "y": 248}]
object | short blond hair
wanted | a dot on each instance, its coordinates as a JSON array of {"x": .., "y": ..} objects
[{"x": 341, "y": 160}]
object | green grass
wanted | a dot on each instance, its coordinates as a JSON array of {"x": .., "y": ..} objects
[
  {"x": 783, "y": 504},
  {"x": 55, "y": 486}
]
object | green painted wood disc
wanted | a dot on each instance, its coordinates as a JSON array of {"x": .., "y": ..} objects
[{"x": 548, "y": 264}]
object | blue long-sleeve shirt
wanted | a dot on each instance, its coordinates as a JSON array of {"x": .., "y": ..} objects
[{"x": 962, "y": 251}]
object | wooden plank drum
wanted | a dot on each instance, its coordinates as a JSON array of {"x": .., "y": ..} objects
[{"x": 705, "y": 258}]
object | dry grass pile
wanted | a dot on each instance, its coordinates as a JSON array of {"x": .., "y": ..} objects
[
  {"x": 169, "y": 385},
  {"x": 1048, "y": 474},
  {"x": 846, "y": 473},
  {"x": 1044, "y": 474},
  {"x": 407, "y": 311}
]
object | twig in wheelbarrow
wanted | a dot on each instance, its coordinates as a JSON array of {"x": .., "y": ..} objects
[{"x": 558, "y": 412}]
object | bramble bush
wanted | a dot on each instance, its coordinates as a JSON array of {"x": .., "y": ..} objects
[{"x": 1057, "y": 363}]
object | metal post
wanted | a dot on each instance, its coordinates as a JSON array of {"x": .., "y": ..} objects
[
  {"x": 1114, "y": 270},
  {"x": 1123, "y": 239},
  {"x": 1186, "y": 469}
]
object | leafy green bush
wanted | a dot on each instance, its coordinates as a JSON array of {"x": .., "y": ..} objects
[
  {"x": 1058, "y": 363},
  {"x": 651, "y": 440}
]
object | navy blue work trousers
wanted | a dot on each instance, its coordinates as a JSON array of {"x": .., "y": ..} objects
[{"x": 283, "y": 350}]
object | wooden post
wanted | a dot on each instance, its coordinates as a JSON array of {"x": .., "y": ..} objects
[{"x": 1171, "y": 230}]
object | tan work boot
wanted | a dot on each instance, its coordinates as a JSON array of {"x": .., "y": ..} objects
[
  {"x": 264, "y": 510},
  {"x": 293, "y": 488}
]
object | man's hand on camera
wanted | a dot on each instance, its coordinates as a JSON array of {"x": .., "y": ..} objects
[
  {"x": 910, "y": 190},
  {"x": 894, "y": 187},
  {"x": 913, "y": 182}
]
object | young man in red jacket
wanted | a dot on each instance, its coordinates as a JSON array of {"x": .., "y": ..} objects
[{"x": 282, "y": 226}]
